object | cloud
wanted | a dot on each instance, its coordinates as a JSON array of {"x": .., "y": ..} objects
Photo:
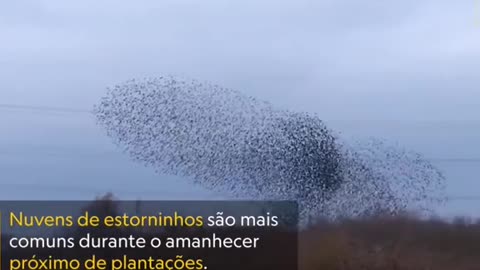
[{"x": 304, "y": 54}]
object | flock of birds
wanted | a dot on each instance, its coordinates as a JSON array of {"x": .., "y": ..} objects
[{"x": 232, "y": 143}]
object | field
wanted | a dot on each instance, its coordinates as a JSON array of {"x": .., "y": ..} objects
[{"x": 396, "y": 243}]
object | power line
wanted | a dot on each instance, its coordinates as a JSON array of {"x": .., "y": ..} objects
[
  {"x": 88, "y": 189},
  {"x": 464, "y": 198},
  {"x": 42, "y": 108},
  {"x": 455, "y": 160},
  {"x": 24, "y": 107},
  {"x": 83, "y": 152},
  {"x": 70, "y": 153},
  {"x": 80, "y": 188}
]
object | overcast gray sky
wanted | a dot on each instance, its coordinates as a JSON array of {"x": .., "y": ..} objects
[{"x": 404, "y": 70}]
